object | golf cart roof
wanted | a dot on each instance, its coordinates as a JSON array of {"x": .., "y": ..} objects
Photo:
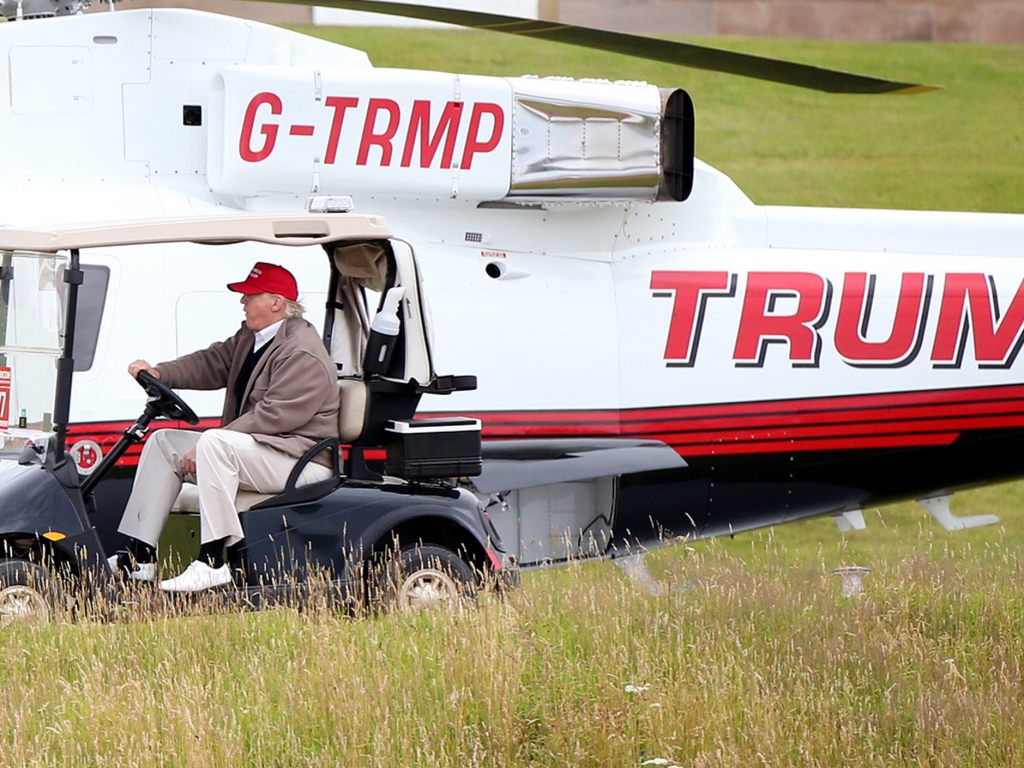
[{"x": 280, "y": 229}]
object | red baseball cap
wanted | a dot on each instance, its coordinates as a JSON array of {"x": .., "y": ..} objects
[{"x": 268, "y": 278}]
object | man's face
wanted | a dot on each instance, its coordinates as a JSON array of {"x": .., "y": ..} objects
[{"x": 262, "y": 309}]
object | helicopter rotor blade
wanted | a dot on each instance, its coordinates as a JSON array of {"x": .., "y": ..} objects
[{"x": 671, "y": 52}]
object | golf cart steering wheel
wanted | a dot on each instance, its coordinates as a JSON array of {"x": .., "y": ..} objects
[{"x": 163, "y": 401}]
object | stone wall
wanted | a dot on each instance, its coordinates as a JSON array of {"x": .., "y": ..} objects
[{"x": 981, "y": 21}]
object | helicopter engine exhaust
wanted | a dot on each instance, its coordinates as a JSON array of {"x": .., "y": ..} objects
[{"x": 595, "y": 140}]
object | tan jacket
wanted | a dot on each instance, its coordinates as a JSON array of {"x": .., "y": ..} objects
[{"x": 291, "y": 400}]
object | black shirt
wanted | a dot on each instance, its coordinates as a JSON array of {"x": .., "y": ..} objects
[{"x": 245, "y": 374}]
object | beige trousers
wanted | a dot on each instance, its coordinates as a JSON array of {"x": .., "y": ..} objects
[{"x": 226, "y": 462}]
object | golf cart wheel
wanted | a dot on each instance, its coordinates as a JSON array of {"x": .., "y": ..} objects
[
  {"x": 424, "y": 577},
  {"x": 27, "y": 593}
]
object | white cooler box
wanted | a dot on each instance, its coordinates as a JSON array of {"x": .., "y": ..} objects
[{"x": 433, "y": 448}]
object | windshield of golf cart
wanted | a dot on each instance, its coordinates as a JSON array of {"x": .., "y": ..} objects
[{"x": 31, "y": 341}]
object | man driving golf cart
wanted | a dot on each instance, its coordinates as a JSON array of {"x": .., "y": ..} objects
[
  {"x": 281, "y": 397},
  {"x": 409, "y": 537}
]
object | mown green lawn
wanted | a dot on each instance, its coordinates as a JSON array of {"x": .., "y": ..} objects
[{"x": 749, "y": 657}]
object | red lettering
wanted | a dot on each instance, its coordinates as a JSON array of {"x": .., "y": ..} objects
[
  {"x": 968, "y": 302},
  {"x": 383, "y": 139},
  {"x": 692, "y": 290},
  {"x": 339, "y": 104},
  {"x": 762, "y": 324},
  {"x": 904, "y": 340},
  {"x": 473, "y": 144},
  {"x": 419, "y": 127},
  {"x": 269, "y": 130}
]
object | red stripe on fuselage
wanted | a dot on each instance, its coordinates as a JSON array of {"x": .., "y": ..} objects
[
  {"x": 847, "y": 422},
  {"x": 955, "y": 397}
]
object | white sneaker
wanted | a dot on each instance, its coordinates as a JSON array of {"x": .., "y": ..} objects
[
  {"x": 142, "y": 572},
  {"x": 197, "y": 577}
]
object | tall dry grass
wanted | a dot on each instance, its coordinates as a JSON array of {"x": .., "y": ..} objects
[{"x": 738, "y": 663}]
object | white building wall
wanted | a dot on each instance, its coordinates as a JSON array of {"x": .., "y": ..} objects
[{"x": 334, "y": 17}]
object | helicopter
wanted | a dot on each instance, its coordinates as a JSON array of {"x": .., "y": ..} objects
[{"x": 657, "y": 356}]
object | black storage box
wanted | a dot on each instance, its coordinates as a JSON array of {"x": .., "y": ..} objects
[{"x": 433, "y": 448}]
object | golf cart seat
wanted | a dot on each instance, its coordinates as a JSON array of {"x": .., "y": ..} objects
[{"x": 188, "y": 500}]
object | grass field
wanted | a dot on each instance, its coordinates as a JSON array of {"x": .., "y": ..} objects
[{"x": 750, "y": 657}]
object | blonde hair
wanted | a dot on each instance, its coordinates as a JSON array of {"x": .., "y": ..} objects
[{"x": 293, "y": 309}]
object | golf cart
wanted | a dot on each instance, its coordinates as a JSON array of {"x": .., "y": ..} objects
[{"x": 401, "y": 533}]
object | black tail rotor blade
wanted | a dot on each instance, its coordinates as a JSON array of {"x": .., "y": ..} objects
[{"x": 684, "y": 54}]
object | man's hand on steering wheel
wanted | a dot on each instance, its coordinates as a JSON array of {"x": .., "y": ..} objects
[
  {"x": 142, "y": 365},
  {"x": 162, "y": 400}
]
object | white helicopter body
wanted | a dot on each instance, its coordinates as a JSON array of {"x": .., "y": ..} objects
[{"x": 800, "y": 361}]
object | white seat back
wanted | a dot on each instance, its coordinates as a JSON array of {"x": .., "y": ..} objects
[{"x": 352, "y": 416}]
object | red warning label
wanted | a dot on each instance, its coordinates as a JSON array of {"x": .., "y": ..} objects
[{"x": 5, "y": 396}]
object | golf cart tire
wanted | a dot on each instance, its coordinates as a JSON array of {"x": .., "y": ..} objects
[
  {"x": 27, "y": 593},
  {"x": 421, "y": 577}
]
